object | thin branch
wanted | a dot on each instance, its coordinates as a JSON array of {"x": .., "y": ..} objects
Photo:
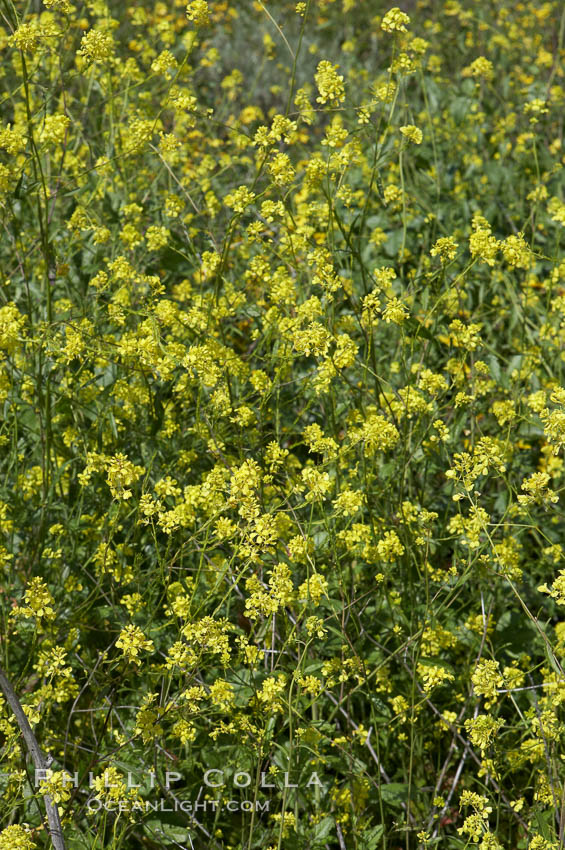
[{"x": 39, "y": 760}]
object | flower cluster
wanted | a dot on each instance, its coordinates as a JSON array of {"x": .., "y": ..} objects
[{"x": 282, "y": 323}]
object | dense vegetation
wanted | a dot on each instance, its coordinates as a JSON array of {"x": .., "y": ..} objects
[{"x": 282, "y": 321}]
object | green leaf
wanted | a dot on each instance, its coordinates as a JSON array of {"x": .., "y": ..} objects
[
  {"x": 323, "y": 829},
  {"x": 370, "y": 839},
  {"x": 394, "y": 794}
]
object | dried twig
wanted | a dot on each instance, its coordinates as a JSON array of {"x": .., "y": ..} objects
[{"x": 39, "y": 760}]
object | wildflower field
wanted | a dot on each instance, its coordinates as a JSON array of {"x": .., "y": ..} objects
[{"x": 282, "y": 394}]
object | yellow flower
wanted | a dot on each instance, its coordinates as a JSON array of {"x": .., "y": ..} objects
[
  {"x": 96, "y": 45},
  {"x": 239, "y": 199},
  {"x": 481, "y": 67},
  {"x": 16, "y": 838},
  {"x": 281, "y": 169},
  {"x": 54, "y": 129},
  {"x": 313, "y": 589},
  {"x": 12, "y": 141},
  {"x": 26, "y": 37},
  {"x": 482, "y": 243},
  {"x": 121, "y": 474},
  {"x": 39, "y": 600},
  {"x": 329, "y": 83},
  {"x": 318, "y": 483},
  {"x": 11, "y": 328},
  {"x": 516, "y": 251},
  {"x": 156, "y": 237},
  {"x": 395, "y": 20},
  {"x": 389, "y": 547},
  {"x": 445, "y": 248},
  {"x": 198, "y": 12},
  {"x": 433, "y": 676},
  {"x": 486, "y": 679},
  {"x": 412, "y": 133},
  {"x": 132, "y": 641},
  {"x": 557, "y": 590},
  {"x": 482, "y": 730},
  {"x": 271, "y": 693},
  {"x": 58, "y": 785}
]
